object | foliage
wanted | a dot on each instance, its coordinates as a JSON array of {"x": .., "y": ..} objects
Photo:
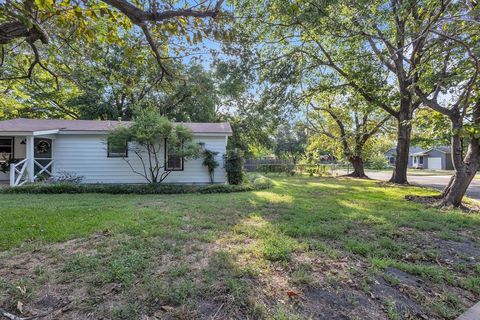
[
  {"x": 376, "y": 161},
  {"x": 54, "y": 23},
  {"x": 392, "y": 54},
  {"x": 111, "y": 81},
  {"x": 5, "y": 165},
  {"x": 286, "y": 168},
  {"x": 234, "y": 166},
  {"x": 67, "y": 177},
  {"x": 290, "y": 169},
  {"x": 347, "y": 126},
  {"x": 210, "y": 162},
  {"x": 255, "y": 183},
  {"x": 290, "y": 142},
  {"x": 145, "y": 139},
  {"x": 430, "y": 129},
  {"x": 320, "y": 170}
]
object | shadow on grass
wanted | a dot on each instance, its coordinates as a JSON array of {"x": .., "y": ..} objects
[{"x": 309, "y": 247}]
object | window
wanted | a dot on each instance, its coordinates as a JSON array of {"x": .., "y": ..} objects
[
  {"x": 420, "y": 160},
  {"x": 117, "y": 150},
  {"x": 173, "y": 162},
  {"x": 6, "y": 149}
]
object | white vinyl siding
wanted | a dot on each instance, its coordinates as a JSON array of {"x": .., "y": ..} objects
[{"x": 86, "y": 155}]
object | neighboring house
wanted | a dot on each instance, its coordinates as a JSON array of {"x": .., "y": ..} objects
[
  {"x": 438, "y": 158},
  {"x": 79, "y": 147},
  {"x": 391, "y": 153}
]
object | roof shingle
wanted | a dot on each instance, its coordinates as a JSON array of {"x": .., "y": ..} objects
[{"x": 30, "y": 125}]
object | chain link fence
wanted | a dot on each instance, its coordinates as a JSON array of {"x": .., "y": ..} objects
[{"x": 281, "y": 166}]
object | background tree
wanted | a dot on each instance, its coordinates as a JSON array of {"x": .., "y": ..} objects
[
  {"x": 290, "y": 142},
  {"x": 430, "y": 129},
  {"x": 25, "y": 23},
  {"x": 375, "y": 47},
  {"x": 452, "y": 70},
  {"x": 145, "y": 139},
  {"x": 345, "y": 122}
]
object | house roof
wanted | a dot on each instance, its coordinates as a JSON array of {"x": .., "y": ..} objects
[
  {"x": 31, "y": 125},
  {"x": 443, "y": 149},
  {"x": 414, "y": 149},
  {"x": 411, "y": 151}
]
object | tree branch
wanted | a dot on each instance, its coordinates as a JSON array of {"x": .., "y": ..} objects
[{"x": 138, "y": 16}]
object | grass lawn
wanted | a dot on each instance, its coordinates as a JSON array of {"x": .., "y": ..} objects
[{"x": 329, "y": 248}]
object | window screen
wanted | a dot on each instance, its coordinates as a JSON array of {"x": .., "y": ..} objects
[
  {"x": 173, "y": 161},
  {"x": 117, "y": 150}
]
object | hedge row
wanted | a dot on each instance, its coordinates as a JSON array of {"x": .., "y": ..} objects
[{"x": 56, "y": 188}]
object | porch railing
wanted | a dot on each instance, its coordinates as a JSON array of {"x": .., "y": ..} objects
[
  {"x": 43, "y": 168},
  {"x": 18, "y": 173}
]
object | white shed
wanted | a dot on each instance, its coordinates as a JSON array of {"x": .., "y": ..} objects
[{"x": 37, "y": 147}]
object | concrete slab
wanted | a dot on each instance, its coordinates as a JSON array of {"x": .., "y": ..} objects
[{"x": 472, "y": 314}]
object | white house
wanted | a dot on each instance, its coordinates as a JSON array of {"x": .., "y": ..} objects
[{"x": 79, "y": 147}]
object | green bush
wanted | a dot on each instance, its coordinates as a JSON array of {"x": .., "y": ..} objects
[
  {"x": 257, "y": 183},
  {"x": 277, "y": 168},
  {"x": 376, "y": 162},
  {"x": 234, "y": 167},
  {"x": 319, "y": 170}
]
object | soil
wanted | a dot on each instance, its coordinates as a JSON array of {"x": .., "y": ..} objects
[{"x": 335, "y": 293}]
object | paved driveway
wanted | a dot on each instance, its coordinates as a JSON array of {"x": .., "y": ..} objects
[{"x": 437, "y": 182}]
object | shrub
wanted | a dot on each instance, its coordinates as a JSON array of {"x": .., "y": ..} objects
[
  {"x": 66, "y": 176},
  {"x": 377, "y": 162},
  {"x": 234, "y": 167},
  {"x": 258, "y": 183},
  {"x": 277, "y": 168},
  {"x": 319, "y": 170}
]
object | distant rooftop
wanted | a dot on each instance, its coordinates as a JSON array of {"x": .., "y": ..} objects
[
  {"x": 31, "y": 125},
  {"x": 444, "y": 149}
]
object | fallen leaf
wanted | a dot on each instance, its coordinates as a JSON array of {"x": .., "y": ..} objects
[{"x": 292, "y": 294}]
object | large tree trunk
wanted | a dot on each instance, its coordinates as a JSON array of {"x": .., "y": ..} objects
[
  {"x": 358, "y": 167},
  {"x": 465, "y": 168},
  {"x": 455, "y": 191},
  {"x": 403, "y": 145}
]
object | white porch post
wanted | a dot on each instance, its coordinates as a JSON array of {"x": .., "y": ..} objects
[
  {"x": 30, "y": 156},
  {"x": 12, "y": 175}
]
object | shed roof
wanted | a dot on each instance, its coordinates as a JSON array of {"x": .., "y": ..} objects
[{"x": 31, "y": 125}]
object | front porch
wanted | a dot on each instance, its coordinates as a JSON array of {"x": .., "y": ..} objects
[{"x": 27, "y": 158}]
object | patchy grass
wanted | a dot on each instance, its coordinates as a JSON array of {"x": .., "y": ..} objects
[{"x": 307, "y": 248}]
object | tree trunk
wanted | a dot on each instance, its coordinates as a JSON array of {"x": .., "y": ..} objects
[
  {"x": 455, "y": 191},
  {"x": 403, "y": 146},
  {"x": 465, "y": 168},
  {"x": 358, "y": 167}
]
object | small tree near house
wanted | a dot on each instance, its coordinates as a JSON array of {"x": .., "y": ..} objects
[
  {"x": 210, "y": 162},
  {"x": 145, "y": 139}
]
